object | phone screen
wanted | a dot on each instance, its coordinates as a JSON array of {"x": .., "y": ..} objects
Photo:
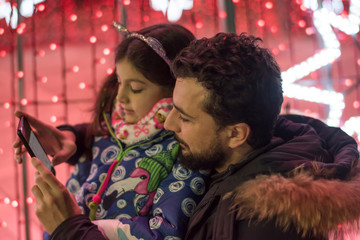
[{"x": 32, "y": 144}]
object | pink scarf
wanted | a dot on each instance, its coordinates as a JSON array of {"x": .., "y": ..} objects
[{"x": 145, "y": 128}]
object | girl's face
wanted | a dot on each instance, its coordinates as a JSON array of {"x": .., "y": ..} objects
[{"x": 136, "y": 94}]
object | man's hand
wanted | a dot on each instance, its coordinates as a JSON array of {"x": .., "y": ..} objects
[
  {"x": 59, "y": 144},
  {"x": 54, "y": 204}
]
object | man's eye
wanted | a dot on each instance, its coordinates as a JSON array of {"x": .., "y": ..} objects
[{"x": 183, "y": 119}]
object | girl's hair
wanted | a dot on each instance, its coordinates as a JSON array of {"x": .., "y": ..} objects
[{"x": 173, "y": 38}]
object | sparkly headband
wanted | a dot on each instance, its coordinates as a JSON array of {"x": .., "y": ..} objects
[{"x": 150, "y": 41}]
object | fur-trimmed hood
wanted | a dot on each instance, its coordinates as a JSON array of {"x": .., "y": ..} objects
[{"x": 313, "y": 206}]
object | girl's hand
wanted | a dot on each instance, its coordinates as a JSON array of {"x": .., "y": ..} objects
[
  {"x": 54, "y": 203},
  {"x": 59, "y": 144}
]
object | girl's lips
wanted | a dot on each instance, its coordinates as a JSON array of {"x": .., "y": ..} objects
[{"x": 127, "y": 111}]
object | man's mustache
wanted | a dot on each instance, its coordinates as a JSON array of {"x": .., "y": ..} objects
[{"x": 180, "y": 140}]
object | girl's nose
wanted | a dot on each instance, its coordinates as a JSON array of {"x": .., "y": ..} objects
[{"x": 122, "y": 96}]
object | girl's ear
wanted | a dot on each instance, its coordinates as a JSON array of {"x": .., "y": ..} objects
[{"x": 238, "y": 134}]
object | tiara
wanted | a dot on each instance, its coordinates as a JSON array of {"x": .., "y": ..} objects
[{"x": 150, "y": 41}]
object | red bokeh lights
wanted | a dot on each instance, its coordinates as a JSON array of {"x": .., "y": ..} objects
[
  {"x": 40, "y": 7},
  {"x": 29, "y": 200},
  {"x": 104, "y": 27},
  {"x": 282, "y": 46},
  {"x": 6, "y": 201},
  {"x": 44, "y": 79},
  {"x": 102, "y": 60},
  {"x": 52, "y": 46},
  {"x": 109, "y": 71},
  {"x": 3, "y": 224},
  {"x": 222, "y": 14},
  {"x": 269, "y": 5},
  {"x": 273, "y": 29},
  {"x": 21, "y": 28},
  {"x": 275, "y": 51},
  {"x": 309, "y": 31},
  {"x": 53, "y": 119},
  {"x": 92, "y": 39},
  {"x": 82, "y": 85},
  {"x": 7, "y": 105},
  {"x": 55, "y": 99},
  {"x": 301, "y": 23},
  {"x": 41, "y": 53},
  {"x": 106, "y": 51},
  {"x": 75, "y": 69},
  {"x": 303, "y": 8},
  {"x": 14, "y": 203},
  {"x": 146, "y": 18},
  {"x": 3, "y": 53},
  {"x": 348, "y": 82},
  {"x": 199, "y": 25},
  {"x": 260, "y": 23},
  {"x": 356, "y": 104},
  {"x": 24, "y": 102},
  {"x": 20, "y": 74},
  {"x": 73, "y": 17},
  {"x": 99, "y": 14}
]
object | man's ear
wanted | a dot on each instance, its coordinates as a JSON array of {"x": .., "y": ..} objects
[{"x": 238, "y": 134}]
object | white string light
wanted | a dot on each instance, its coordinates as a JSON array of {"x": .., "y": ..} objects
[
  {"x": 324, "y": 20},
  {"x": 172, "y": 8},
  {"x": 27, "y": 8},
  {"x": 351, "y": 127}
]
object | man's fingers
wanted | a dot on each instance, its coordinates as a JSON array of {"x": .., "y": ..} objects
[
  {"x": 37, "y": 193},
  {"x": 46, "y": 176},
  {"x": 42, "y": 185}
]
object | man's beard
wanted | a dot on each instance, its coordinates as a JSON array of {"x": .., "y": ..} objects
[{"x": 212, "y": 158}]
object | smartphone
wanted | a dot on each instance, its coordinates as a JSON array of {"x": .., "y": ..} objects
[{"x": 32, "y": 144}]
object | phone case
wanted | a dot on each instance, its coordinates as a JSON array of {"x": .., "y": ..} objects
[{"x": 32, "y": 144}]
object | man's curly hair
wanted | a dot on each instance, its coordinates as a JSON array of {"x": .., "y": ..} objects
[{"x": 242, "y": 78}]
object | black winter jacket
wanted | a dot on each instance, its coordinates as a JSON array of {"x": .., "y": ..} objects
[{"x": 303, "y": 185}]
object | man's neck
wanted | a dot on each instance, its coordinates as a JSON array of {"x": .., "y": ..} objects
[{"x": 235, "y": 157}]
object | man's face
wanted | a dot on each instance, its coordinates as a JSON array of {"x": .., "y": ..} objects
[{"x": 203, "y": 144}]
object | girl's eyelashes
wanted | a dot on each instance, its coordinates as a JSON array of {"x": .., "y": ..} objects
[
  {"x": 131, "y": 88},
  {"x": 136, "y": 91}
]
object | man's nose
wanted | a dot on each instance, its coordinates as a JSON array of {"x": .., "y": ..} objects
[{"x": 171, "y": 122}]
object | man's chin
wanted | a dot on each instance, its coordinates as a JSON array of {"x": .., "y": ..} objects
[
  {"x": 189, "y": 162},
  {"x": 213, "y": 159}
]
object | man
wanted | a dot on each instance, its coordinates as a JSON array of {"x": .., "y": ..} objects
[{"x": 227, "y": 99}]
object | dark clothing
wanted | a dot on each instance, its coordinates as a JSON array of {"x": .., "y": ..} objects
[
  {"x": 79, "y": 131},
  {"x": 261, "y": 197},
  {"x": 77, "y": 227}
]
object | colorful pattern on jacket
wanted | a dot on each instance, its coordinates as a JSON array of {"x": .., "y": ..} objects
[{"x": 149, "y": 191}]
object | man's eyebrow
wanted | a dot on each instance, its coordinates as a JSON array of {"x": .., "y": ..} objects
[{"x": 182, "y": 111}]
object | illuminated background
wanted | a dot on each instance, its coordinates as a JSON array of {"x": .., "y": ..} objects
[{"x": 54, "y": 55}]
